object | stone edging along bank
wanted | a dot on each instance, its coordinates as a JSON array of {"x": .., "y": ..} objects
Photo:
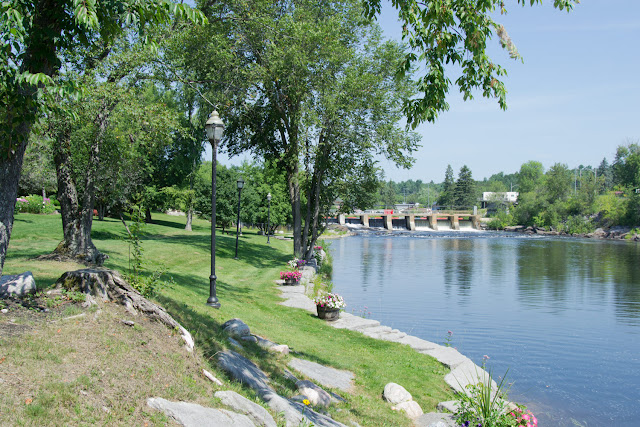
[{"x": 463, "y": 370}]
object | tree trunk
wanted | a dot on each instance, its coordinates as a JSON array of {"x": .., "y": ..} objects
[
  {"x": 189, "y": 219},
  {"x": 76, "y": 219},
  {"x": 294, "y": 196},
  {"x": 147, "y": 216},
  {"x": 9, "y": 176}
]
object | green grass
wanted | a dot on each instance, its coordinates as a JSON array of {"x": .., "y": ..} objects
[{"x": 246, "y": 290}]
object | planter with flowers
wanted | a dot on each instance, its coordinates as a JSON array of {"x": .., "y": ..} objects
[
  {"x": 291, "y": 277},
  {"x": 296, "y": 263},
  {"x": 329, "y": 306}
]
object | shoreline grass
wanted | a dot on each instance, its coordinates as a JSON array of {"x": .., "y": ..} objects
[{"x": 246, "y": 289}]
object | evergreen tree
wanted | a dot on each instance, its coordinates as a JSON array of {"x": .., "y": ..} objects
[
  {"x": 605, "y": 175},
  {"x": 464, "y": 192},
  {"x": 447, "y": 197}
]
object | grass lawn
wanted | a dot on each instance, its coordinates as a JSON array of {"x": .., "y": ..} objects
[{"x": 246, "y": 290}]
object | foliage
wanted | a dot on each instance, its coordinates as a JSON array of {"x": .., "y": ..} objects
[
  {"x": 578, "y": 225},
  {"x": 451, "y": 38},
  {"x": 145, "y": 284},
  {"x": 530, "y": 176},
  {"x": 626, "y": 167},
  {"x": 501, "y": 220},
  {"x": 447, "y": 197},
  {"x": 35, "y": 204},
  {"x": 484, "y": 406},
  {"x": 464, "y": 190}
]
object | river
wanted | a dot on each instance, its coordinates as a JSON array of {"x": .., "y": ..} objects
[{"x": 562, "y": 315}]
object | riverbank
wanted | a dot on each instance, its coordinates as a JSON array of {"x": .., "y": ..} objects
[
  {"x": 613, "y": 233},
  {"x": 246, "y": 290}
]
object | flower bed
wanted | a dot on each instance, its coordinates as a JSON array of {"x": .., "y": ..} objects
[
  {"x": 330, "y": 301},
  {"x": 290, "y": 275}
]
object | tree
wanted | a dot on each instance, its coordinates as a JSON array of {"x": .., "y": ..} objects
[
  {"x": 455, "y": 34},
  {"x": 35, "y": 32},
  {"x": 530, "y": 176},
  {"x": 626, "y": 167},
  {"x": 447, "y": 197},
  {"x": 38, "y": 172},
  {"x": 557, "y": 183},
  {"x": 605, "y": 171},
  {"x": 388, "y": 195},
  {"x": 464, "y": 191},
  {"x": 324, "y": 101}
]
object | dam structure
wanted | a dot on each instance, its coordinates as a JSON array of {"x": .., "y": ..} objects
[{"x": 409, "y": 221}]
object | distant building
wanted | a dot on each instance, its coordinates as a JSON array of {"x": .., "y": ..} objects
[{"x": 493, "y": 198}]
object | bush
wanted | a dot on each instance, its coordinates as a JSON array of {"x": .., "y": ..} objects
[
  {"x": 501, "y": 220},
  {"x": 578, "y": 225},
  {"x": 34, "y": 204}
]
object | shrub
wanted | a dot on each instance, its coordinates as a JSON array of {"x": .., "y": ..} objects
[{"x": 35, "y": 204}]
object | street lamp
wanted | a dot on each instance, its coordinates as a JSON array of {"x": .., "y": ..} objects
[
  {"x": 269, "y": 219},
  {"x": 240, "y": 183},
  {"x": 214, "y": 128}
]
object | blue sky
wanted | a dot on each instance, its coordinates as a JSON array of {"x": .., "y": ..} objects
[{"x": 573, "y": 100}]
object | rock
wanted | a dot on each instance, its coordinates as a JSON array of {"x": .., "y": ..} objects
[
  {"x": 395, "y": 393},
  {"x": 17, "y": 285},
  {"x": 435, "y": 419},
  {"x": 236, "y": 328},
  {"x": 411, "y": 408},
  {"x": 211, "y": 378},
  {"x": 4, "y": 311},
  {"x": 316, "y": 395},
  {"x": 241, "y": 404},
  {"x": 282, "y": 348},
  {"x": 467, "y": 373},
  {"x": 293, "y": 412},
  {"x": 129, "y": 323},
  {"x": 450, "y": 405},
  {"x": 192, "y": 415},
  {"x": 235, "y": 343},
  {"x": 249, "y": 338},
  {"x": 242, "y": 369},
  {"x": 328, "y": 377},
  {"x": 264, "y": 343}
]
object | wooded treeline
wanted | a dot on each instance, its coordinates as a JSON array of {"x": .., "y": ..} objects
[{"x": 115, "y": 95}]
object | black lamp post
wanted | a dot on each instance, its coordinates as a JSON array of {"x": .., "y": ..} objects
[
  {"x": 240, "y": 185},
  {"x": 269, "y": 219},
  {"x": 214, "y": 128}
]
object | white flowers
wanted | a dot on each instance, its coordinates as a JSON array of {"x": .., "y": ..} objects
[{"x": 330, "y": 301}]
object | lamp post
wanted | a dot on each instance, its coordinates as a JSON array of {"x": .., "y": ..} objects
[
  {"x": 240, "y": 183},
  {"x": 269, "y": 219},
  {"x": 214, "y": 128}
]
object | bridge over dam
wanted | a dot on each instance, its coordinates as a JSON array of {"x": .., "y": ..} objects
[{"x": 409, "y": 221}]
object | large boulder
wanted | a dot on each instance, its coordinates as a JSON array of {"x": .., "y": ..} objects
[
  {"x": 316, "y": 395},
  {"x": 193, "y": 415},
  {"x": 17, "y": 285},
  {"x": 395, "y": 393},
  {"x": 244, "y": 370},
  {"x": 236, "y": 328}
]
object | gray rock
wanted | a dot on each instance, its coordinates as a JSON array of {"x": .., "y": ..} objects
[
  {"x": 467, "y": 373},
  {"x": 241, "y": 404},
  {"x": 450, "y": 406},
  {"x": 235, "y": 343},
  {"x": 448, "y": 356},
  {"x": 249, "y": 338},
  {"x": 395, "y": 393},
  {"x": 242, "y": 369},
  {"x": 411, "y": 408},
  {"x": 351, "y": 322},
  {"x": 326, "y": 376},
  {"x": 293, "y": 412},
  {"x": 288, "y": 375},
  {"x": 190, "y": 414},
  {"x": 282, "y": 348},
  {"x": 316, "y": 395},
  {"x": 264, "y": 343},
  {"x": 435, "y": 419},
  {"x": 17, "y": 285},
  {"x": 236, "y": 328},
  {"x": 417, "y": 344}
]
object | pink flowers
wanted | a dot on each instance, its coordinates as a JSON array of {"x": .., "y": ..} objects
[
  {"x": 290, "y": 275},
  {"x": 317, "y": 248},
  {"x": 524, "y": 418}
]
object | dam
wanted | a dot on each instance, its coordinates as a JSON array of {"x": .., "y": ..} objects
[{"x": 389, "y": 221}]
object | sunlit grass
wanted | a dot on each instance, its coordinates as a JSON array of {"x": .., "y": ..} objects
[{"x": 246, "y": 290}]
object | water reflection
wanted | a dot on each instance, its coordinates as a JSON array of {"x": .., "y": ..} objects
[{"x": 562, "y": 314}]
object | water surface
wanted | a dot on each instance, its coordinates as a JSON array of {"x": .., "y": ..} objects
[{"x": 563, "y": 315}]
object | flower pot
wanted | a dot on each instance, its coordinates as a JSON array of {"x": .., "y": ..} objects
[
  {"x": 327, "y": 313},
  {"x": 291, "y": 282}
]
